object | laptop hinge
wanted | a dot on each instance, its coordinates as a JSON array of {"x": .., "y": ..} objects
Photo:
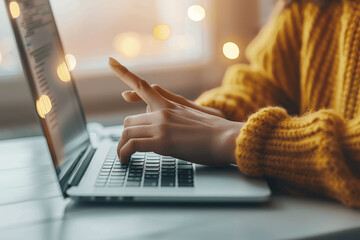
[{"x": 81, "y": 167}]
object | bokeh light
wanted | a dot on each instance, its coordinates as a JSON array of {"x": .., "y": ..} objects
[
  {"x": 196, "y": 13},
  {"x": 70, "y": 61},
  {"x": 231, "y": 50},
  {"x": 128, "y": 44},
  {"x": 14, "y": 9},
  {"x": 162, "y": 32},
  {"x": 43, "y": 105},
  {"x": 63, "y": 72}
]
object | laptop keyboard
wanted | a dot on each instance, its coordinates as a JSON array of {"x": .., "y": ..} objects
[{"x": 145, "y": 170}]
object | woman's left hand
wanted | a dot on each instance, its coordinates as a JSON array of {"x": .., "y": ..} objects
[{"x": 173, "y": 129}]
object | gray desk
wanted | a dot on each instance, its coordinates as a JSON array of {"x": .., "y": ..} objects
[{"x": 31, "y": 207}]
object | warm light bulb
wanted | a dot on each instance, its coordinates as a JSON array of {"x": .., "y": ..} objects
[
  {"x": 43, "y": 105},
  {"x": 162, "y": 32},
  {"x": 63, "y": 72},
  {"x": 196, "y": 13},
  {"x": 128, "y": 44},
  {"x": 231, "y": 50},
  {"x": 14, "y": 9},
  {"x": 70, "y": 61}
]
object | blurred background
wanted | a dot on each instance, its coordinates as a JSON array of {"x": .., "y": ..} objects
[{"x": 183, "y": 45}]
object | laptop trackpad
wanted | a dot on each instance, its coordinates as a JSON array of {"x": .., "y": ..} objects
[{"x": 229, "y": 178}]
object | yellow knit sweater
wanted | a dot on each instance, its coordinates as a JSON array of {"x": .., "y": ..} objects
[{"x": 307, "y": 61}]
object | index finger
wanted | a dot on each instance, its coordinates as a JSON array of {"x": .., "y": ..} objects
[{"x": 141, "y": 87}]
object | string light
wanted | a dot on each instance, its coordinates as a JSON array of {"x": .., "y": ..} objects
[
  {"x": 196, "y": 13},
  {"x": 43, "y": 105},
  {"x": 63, "y": 72},
  {"x": 70, "y": 61},
  {"x": 231, "y": 50},
  {"x": 14, "y": 9},
  {"x": 128, "y": 44},
  {"x": 162, "y": 32}
]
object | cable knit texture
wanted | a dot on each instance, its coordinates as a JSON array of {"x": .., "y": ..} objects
[{"x": 300, "y": 99}]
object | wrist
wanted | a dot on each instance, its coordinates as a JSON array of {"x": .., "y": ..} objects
[{"x": 228, "y": 142}]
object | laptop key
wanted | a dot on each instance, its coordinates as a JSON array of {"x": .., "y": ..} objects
[
  {"x": 136, "y": 167},
  {"x": 168, "y": 174},
  {"x": 168, "y": 166},
  {"x": 185, "y": 167},
  {"x": 136, "y": 164},
  {"x": 168, "y": 163},
  {"x": 185, "y": 177},
  {"x": 151, "y": 183},
  {"x": 150, "y": 169},
  {"x": 185, "y": 171},
  {"x": 113, "y": 181},
  {"x": 118, "y": 173},
  {"x": 116, "y": 181},
  {"x": 185, "y": 180},
  {"x": 167, "y": 180},
  {"x": 151, "y": 176},
  {"x": 152, "y": 161},
  {"x": 106, "y": 167},
  {"x": 119, "y": 170},
  {"x": 167, "y": 184},
  {"x": 135, "y": 174},
  {"x": 133, "y": 184},
  {"x": 116, "y": 178},
  {"x": 134, "y": 179},
  {"x": 152, "y": 165}
]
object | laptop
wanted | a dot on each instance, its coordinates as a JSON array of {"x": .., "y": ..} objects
[{"x": 90, "y": 173}]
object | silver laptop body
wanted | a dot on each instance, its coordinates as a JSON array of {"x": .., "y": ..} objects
[{"x": 89, "y": 173}]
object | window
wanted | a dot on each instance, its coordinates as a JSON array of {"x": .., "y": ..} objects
[
  {"x": 173, "y": 43},
  {"x": 140, "y": 33},
  {"x": 151, "y": 33}
]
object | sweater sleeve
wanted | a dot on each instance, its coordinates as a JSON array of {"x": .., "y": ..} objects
[
  {"x": 317, "y": 152},
  {"x": 271, "y": 78}
]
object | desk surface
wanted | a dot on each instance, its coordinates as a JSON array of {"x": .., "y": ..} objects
[{"x": 32, "y": 207}]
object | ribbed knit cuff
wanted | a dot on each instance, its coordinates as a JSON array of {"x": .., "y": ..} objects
[{"x": 251, "y": 142}]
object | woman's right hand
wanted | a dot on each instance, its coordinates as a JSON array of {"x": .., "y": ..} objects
[{"x": 132, "y": 96}]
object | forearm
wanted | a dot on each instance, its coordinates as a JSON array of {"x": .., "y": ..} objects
[{"x": 307, "y": 152}]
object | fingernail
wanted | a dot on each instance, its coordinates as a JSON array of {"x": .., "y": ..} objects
[{"x": 113, "y": 62}]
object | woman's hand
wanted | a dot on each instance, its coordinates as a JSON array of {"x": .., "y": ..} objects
[
  {"x": 132, "y": 96},
  {"x": 173, "y": 129}
]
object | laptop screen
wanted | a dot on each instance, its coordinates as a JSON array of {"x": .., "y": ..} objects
[{"x": 53, "y": 90}]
